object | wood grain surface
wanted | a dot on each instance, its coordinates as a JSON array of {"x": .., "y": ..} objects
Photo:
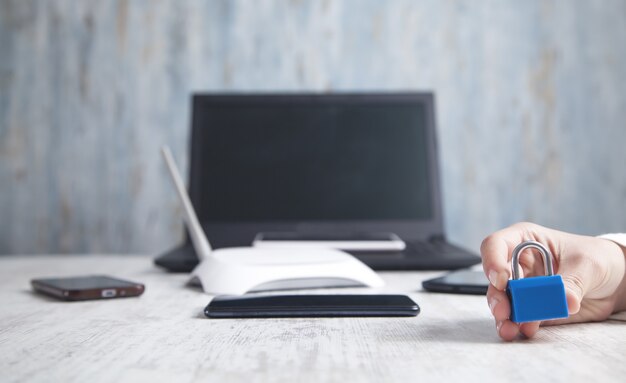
[
  {"x": 163, "y": 336},
  {"x": 530, "y": 94}
]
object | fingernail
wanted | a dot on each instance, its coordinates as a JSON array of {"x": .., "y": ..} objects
[
  {"x": 492, "y": 303},
  {"x": 493, "y": 278},
  {"x": 498, "y": 325}
]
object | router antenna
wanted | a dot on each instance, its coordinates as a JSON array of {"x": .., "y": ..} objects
[{"x": 198, "y": 238}]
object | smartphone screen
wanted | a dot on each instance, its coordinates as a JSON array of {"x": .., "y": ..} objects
[
  {"x": 459, "y": 282},
  {"x": 87, "y": 287}
]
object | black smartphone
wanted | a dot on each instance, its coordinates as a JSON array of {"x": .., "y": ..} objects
[
  {"x": 87, "y": 287},
  {"x": 459, "y": 282},
  {"x": 288, "y": 306}
]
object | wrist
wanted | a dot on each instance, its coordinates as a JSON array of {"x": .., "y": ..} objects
[
  {"x": 619, "y": 240},
  {"x": 620, "y": 304}
]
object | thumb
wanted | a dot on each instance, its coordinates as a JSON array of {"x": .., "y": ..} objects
[{"x": 574, "y": 291}]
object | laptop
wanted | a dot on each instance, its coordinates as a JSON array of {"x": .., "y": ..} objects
[{"x": 319, "y": 166}]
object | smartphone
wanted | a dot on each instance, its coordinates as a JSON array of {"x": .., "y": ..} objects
[
  {"x": 87, "y": 287},
  {"x": 348, "y": 242},
  {"x": 459, "y": 282},
  {"x": 303, "y": 306}
]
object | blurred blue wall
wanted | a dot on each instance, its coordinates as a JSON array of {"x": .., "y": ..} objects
[{"x": 531, "y": 105}]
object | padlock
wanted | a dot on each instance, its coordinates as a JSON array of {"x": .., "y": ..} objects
[{"x": 536, "y": 298}]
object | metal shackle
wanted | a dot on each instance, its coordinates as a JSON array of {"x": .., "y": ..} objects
[{"x": 547, "y": 257}]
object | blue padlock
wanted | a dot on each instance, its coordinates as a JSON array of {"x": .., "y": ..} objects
[{"x": 536, "y": 298}]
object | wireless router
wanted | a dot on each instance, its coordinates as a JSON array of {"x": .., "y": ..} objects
[{"x": 237, "y": 270}]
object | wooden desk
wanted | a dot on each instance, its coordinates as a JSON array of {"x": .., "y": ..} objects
[{"x": 164, "y": 336}]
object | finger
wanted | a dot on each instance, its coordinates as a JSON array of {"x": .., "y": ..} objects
[
  {"x": 496, "y": 252},
  {"x": 498, "y": 304},
  {"x": 501, "y": 310},
  {"x": 507, "y": 330},
  {"x": 576, "y": 280},
  {"x": 531, "y": 264},
  {"x": 577, "y": 277},
  {"x": 529, "y": 329}
]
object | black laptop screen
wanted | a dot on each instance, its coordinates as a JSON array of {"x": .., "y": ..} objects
[{"x": 310, "y": 161}]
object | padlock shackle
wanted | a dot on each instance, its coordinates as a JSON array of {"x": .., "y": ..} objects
[{"x": 547, "y": 257}]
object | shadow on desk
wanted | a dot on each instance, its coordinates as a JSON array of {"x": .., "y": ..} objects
[
  {"x": 41, "y": 297},
  {"x": 479, "y": 331},
  {"x": 404, "y": 330}
]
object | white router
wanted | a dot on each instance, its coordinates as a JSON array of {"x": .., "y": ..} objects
[{"x": 237, "y": 270}]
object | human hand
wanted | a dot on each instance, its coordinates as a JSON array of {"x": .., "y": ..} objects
[{"x": 592, "y": 269}]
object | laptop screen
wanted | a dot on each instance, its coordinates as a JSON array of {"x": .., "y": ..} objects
[{"x": 310, "y": 159}]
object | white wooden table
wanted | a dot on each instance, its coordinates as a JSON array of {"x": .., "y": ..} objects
[{"x": 164, "y": 336}]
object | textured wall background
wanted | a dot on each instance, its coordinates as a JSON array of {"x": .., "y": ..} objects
[{"x": 531, "y": 104}]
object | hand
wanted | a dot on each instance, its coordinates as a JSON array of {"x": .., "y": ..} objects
[{"x": 592, "y": 270}]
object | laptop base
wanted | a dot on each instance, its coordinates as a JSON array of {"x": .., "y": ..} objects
[{"x": 416, "y": 256}]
